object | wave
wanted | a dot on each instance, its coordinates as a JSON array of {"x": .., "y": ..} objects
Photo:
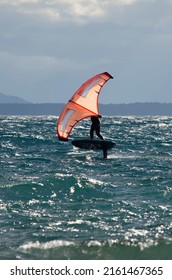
[
  {"x": 71, "y": 203},
  {"x": 96, "y": 250}
]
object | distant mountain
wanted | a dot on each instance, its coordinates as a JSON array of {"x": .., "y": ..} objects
[{"x": 11, "y": 99}]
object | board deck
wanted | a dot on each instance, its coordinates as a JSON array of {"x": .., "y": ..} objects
[{"x": 93, "y": 144}]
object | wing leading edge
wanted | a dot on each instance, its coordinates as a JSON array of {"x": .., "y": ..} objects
[{"x": 83, "y": 104}]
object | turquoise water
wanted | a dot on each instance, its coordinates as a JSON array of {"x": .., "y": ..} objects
[{"x": 60, "y": 202}]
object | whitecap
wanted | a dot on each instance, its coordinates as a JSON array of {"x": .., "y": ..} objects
[{"x": 46, "y": 245}]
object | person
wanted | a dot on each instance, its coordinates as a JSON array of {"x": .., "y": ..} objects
[{"x": 95, "y": 126}]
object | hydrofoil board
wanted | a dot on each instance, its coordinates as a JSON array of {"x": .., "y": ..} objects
[{"x": 94, "y": 145}]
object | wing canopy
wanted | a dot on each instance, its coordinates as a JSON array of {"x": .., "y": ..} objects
[{"x": 83, "y": 104}]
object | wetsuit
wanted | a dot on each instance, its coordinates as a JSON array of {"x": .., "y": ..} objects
[{"x": 95, "y": 127}]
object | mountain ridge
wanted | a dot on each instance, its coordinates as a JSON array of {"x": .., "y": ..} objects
[
  {"x": 13, "y": 105},
  {"x": 11, "y": 99},
  {"x": 138, "y": 109}
]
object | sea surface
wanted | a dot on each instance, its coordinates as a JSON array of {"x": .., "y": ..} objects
[{"x": 61, "y": 202}]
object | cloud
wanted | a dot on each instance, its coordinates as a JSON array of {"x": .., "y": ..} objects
[
  {"x": 79, "y": 11},
  {"x": 52, "y": 14},
  {"x": 125, "y": 2},
  {"x": 120, "y": 12},
  {"x": 45, "y": 43},
  {"x": 18, "y": 2},
  {"x": 34, "y": 77},
  {"x": 31, "y": 65},
  {"x": 148, "y": 13}
]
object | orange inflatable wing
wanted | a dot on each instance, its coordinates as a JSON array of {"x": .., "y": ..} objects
[{"x": 83, "y": 104}]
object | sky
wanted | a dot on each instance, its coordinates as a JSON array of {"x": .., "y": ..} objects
[{"x": 49, "y": 48}]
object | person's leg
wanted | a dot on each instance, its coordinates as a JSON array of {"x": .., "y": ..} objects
[
  {"x": 91, "y": 132},
  {"x": 98, "y": 133}
]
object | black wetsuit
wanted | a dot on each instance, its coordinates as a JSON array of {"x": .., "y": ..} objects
[{"x": 95, "y": 127}]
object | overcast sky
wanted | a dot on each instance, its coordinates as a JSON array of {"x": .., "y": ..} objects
[{"x": 48, "y": 48}]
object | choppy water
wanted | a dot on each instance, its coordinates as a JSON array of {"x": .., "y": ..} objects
[{"x": 59, "y": 202}]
